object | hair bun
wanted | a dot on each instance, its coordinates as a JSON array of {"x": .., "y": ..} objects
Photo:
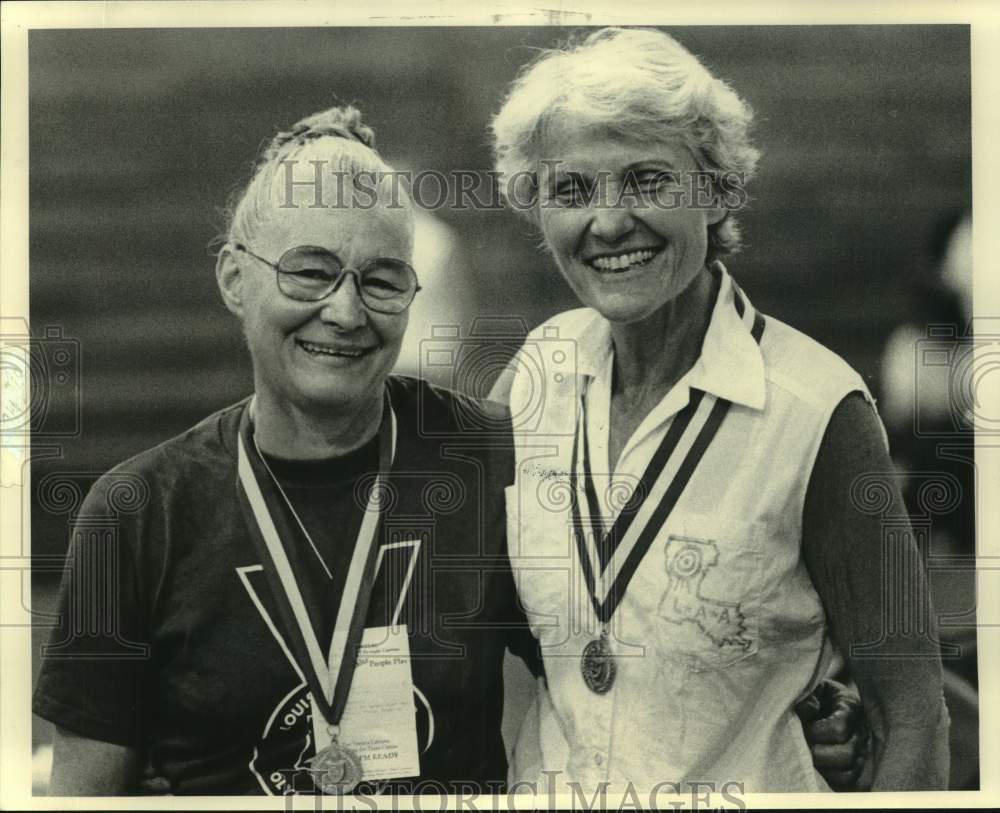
[{"x": 338, "y": 122}]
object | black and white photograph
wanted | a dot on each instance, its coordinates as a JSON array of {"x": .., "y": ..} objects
[{"x": 553, "y": 409}]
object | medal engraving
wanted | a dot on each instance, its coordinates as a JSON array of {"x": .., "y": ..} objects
[
  {"x": 598, "y": 665},
  {"x": 336, "y": 770}
]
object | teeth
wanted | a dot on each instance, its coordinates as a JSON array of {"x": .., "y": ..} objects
[
  {"x": 622, "y": 261},
  {"x": 327, "y": 351}
]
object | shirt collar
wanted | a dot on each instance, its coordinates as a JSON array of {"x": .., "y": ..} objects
[{"x": 730, "y": 366}]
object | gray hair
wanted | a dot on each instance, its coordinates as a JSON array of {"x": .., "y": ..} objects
[
  {"x": 640, "y": 84},
  {"x": 335, "y": 136}
]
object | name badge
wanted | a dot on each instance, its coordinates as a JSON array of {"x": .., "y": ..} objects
[{"x": 379, "y": 722}]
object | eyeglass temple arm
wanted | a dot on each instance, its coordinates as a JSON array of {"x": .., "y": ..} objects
[{"x": 245, "y": 250}]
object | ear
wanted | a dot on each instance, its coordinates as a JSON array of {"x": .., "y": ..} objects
[
  {"x": 230, "y": 279},
  {"x": 715, "y": 215}
]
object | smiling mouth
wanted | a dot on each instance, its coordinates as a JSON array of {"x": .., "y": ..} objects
[
  {"x": 619, "y": 263},
  {"x": 331, "y": 351}
]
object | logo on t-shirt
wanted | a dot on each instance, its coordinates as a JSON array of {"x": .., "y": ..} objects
[
  {"x": 688, "y": 563},
  {"x": 281, "y": 758}
]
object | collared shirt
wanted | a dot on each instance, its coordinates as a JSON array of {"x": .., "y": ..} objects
[
  {"x": 719, "y": 631},
  {"x": 730, "y": 366}
]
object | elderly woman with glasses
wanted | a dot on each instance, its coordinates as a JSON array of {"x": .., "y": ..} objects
[
  {"x": 317, "y": 592},
  {"x": 684, "y": 529}
]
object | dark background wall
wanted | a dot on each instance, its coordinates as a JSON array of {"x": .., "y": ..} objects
[{"x": 138, "y": 137}]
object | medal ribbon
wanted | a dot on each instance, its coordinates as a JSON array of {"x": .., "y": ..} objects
[
  {"x": 329, "y": 677},
  {"x": 609, "y": 569}
]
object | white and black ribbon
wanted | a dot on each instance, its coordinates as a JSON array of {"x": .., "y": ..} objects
[
  {"x": 609, "y": 560},
  {"x": 328, "y": 675}
]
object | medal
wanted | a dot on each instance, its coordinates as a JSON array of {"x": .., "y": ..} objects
[
  {"x": 598, "y": 664},
  {"x": 336, "y": 769},
  {"x": 610, "y": 560}
]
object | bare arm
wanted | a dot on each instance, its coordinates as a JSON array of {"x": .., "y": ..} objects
[
  {"x": 85, "y": 767},
  {"x": 900, "y": 680}
]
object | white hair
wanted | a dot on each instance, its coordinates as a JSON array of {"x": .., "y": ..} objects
[
  {"x": 336, "y": 137},
  {"x": 640, "y": 84}
]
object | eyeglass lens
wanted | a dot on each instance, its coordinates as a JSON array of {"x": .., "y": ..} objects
[{"x": 310, "y": 273}]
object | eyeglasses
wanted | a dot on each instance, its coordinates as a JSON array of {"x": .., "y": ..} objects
[{"x": 311, "y": 273}]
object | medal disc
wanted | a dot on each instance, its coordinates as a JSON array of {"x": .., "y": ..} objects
[
  {"x": 336, "y": 770},
  {"x": 598, "y": 665}
]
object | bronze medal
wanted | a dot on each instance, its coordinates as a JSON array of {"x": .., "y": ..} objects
[
  {"x": 598, "y": 665},
  {"x": 336, "y": 770}
]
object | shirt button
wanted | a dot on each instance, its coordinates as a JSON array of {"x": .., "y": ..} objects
[{"x": 598, "y": 759}]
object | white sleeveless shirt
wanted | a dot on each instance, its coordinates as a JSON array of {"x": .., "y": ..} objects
[{"x": 720, "y": 631}]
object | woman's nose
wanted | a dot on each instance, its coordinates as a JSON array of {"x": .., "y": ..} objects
[
  {"x": 611, "y": 222},
  {"x": 343, "y": 306}
]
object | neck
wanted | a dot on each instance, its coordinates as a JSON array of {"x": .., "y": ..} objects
[
  {"x": 284, "y": 430},
  {"x": 653, "y": 354}
]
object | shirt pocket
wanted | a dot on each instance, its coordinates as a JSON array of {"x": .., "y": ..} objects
[{"x": 711, "y": 575}]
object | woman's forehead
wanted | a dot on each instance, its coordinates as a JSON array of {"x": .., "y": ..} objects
[
  {"x": 347, "y": 229},
  {"x": 593, "y": 150}
]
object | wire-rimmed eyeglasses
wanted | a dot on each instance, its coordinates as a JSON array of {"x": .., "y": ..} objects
[{"x": 311, "y": 273}]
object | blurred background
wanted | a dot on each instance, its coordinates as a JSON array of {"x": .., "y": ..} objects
[{"x": 138, "y": 138}]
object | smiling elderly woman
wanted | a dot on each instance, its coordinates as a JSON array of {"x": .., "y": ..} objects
[
  {"x": 286, "y": 531},
  {"x": 707, "y": 459}
]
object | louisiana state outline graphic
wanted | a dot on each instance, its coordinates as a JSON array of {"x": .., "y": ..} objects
[{"x": 688, "y": 563}]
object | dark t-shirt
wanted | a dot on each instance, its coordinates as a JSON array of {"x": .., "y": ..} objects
[
  {"x": 168, "y": 638},
  {"x": 326, "y": 497}
]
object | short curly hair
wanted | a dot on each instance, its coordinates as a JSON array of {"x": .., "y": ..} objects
[{"x": 636, "y": 83}]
